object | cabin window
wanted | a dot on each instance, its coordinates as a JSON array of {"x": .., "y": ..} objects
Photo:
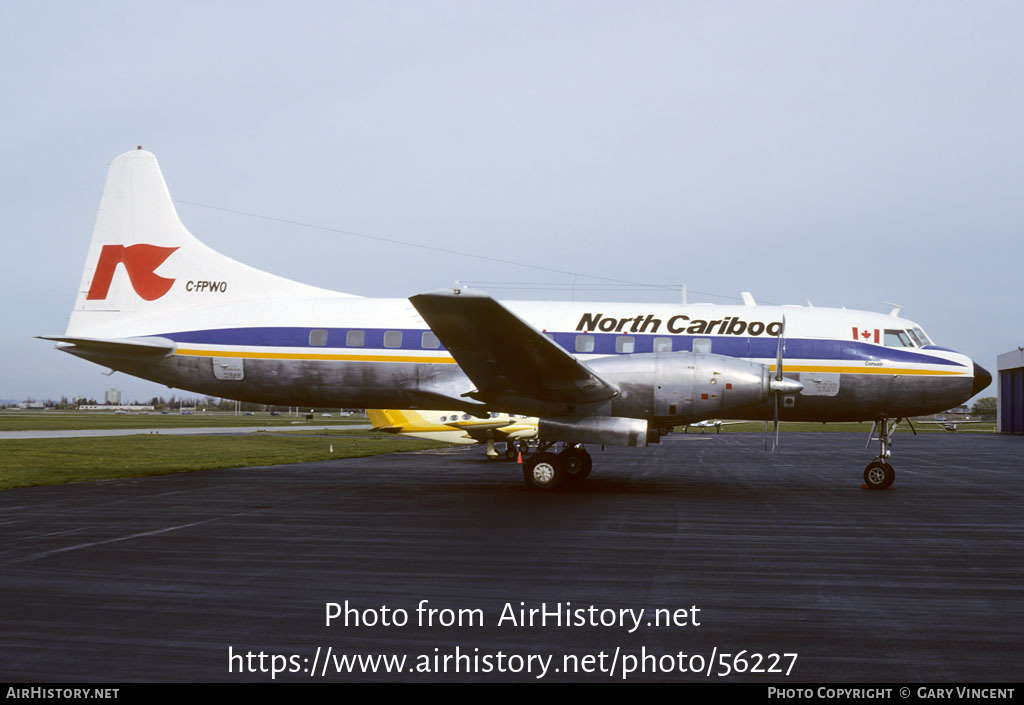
[
  {"x": 355, "y": 338},
  {"x": 584, "y": 343},
  {"x": 393, "y": 339},
  {"x": 702, "y": 345},
  {"x": 625, "y": 344},
  {"x": 429, "y": 340},
  {"x": 663, "y": 345},
  {"x": 318, "y": 337},
  {"x": 897, "y": 339}
]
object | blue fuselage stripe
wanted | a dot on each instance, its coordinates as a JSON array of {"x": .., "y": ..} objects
[{"x": 604, "y": 343}]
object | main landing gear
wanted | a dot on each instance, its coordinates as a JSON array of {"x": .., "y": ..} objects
[
  {"x": 545, "y": 470},
  {"x": 879, "y": 475}
]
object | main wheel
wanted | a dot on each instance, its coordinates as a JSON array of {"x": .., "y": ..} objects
[
  {"x": 576, "y": 463},
  {"x": 879, "y": 475},
  {"x": 543, "y": 471},
  {"x": 510, "y": 451}
]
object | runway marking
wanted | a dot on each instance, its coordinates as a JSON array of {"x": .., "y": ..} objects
[{"x": 46, "y": 554}]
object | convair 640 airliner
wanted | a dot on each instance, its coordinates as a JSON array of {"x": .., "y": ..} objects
[{"x": 156, "y": 303}]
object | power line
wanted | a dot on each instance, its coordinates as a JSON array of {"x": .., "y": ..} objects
[{"x": 445, "y": 250}]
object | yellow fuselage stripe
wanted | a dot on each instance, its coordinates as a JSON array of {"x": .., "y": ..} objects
[
  {"x": 865, "y": 370},
  {"x": 313, "y": 356}
]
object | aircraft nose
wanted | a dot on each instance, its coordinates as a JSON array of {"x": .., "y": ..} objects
[{"x": 982, "y": 378}]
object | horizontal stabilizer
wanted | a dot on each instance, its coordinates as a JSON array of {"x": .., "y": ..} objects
[
  {"x": 153, "y": 346},
  {"x": 508, "y": 360}
]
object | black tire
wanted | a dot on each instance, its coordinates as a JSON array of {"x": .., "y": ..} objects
[
  {"x": 879, "y": 475},
  {"x": 543, "y": 471},
  {"x": 576, "y": 463},
  {"x": 510, "y": 451}
]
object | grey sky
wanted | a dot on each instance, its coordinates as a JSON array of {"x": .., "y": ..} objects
[{"x": 849, "y": 153}]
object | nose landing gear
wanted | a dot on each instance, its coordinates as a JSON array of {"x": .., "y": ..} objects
[{"x": 879, "y": 474}]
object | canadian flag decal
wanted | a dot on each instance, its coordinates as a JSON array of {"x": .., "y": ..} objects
[
  {"x": 139, "y": 261},
  {"x": 866, "y": 335}
]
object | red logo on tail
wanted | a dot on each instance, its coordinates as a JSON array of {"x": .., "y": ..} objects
[{"x": 139, "y": 261}]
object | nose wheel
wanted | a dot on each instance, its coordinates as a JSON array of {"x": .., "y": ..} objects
[{"x": 879, "y": 474}]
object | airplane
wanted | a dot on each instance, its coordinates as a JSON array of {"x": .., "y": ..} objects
[
  {"x": 950, "y": 424},
  {"x": 710, "y": 423},
  {"x": 459, "y": 428},
  {"x": 157, "y": 303}
]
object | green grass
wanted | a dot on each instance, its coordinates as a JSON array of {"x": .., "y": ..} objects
[
  {"x": 80, "y": 420},
  {"x": 26, "y": 463}
]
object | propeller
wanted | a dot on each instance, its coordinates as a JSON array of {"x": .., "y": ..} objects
[{"x": 779, "y": 386}]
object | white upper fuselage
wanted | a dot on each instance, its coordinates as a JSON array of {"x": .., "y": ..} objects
[{"x": 817, "y": 339}]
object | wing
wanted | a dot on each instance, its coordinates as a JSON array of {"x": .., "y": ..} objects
[{"x": 513, "y": 365}]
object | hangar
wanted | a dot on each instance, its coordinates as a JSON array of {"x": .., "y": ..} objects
[{"x": 1010, "y": 414}]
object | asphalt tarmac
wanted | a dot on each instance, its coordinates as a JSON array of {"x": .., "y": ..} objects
[{"x": 155, "y": 579}]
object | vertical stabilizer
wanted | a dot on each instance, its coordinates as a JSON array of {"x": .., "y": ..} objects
[{"x": 143, "y": 262}]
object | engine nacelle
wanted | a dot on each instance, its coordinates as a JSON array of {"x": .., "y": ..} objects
[
  {"x": 683, "y": 387},
  {"x": 609, "y": 430}
]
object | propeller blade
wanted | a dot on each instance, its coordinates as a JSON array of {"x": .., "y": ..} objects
[
  {"x": 779, "y": 387},
  {"x": 778, "y": 355},
  {"x": 775, "y": 441}
]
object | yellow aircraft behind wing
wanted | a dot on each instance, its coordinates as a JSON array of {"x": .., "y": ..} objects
[
  {"x": 459, "y": 428},
  {"x": 710, "y": 423}
]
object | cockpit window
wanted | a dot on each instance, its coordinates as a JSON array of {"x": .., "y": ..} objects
[
  {"x": 925, "y": 340},
  {"x": 913, "y": 336},
  {"x": 897, "y": 339}
]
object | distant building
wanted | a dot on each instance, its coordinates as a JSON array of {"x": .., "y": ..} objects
[
  {"x": 1010, "y": 392},
  {"x": 113, "y": 396}
]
